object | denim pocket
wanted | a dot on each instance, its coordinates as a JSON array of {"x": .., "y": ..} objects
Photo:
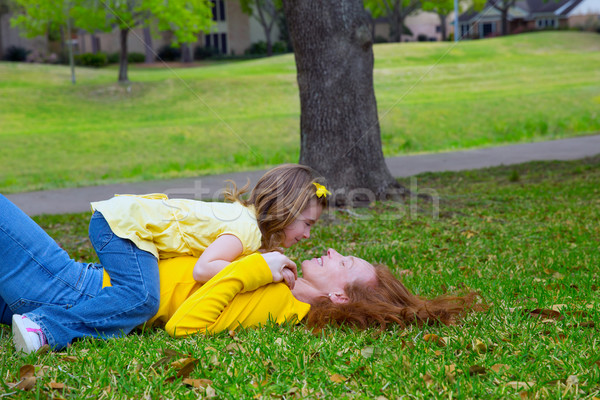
[
  {"x": 100, "y": 232},
  {"x": 24, "y": 305}
]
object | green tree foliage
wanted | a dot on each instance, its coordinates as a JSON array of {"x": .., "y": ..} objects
[
  {"x": 396, "y": 11},
  {"x": 267, "y": 13},
  {"x": 184, "y": 18},
  {"x": 443, "y": 8},
  {"x": 503, "y": 6}
]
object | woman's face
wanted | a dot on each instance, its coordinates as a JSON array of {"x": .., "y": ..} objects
[
  {"x": 333, "y": 272},
  {"x": 300, "y": 228}
]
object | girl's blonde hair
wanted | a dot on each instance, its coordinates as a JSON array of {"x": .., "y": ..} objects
[{"x": 279, "y": 197}]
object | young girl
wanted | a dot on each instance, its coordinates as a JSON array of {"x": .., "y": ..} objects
[{"x": 131, "y": 233}]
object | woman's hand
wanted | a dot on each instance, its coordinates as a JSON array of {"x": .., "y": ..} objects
[{"x": 282, "y": 268}]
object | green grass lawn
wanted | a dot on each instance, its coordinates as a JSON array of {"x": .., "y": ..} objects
[
  {"x": 244, "y": 115},
  {"x": 526, "y": 237}
]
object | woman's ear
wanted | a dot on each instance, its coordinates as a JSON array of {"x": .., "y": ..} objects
[{"x": 338, "y": 298}]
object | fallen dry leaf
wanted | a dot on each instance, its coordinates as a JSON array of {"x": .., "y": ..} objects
[
  {"x": 545, "y": 313},
  {"x": 572, "y": 380},
  {"x": 558, "y": 307},
  {"x": 235, "y": 347},
  {"x": 405, "y": 344},
  {"x": 197, "y": 383},
  {"x": 479, "y": 346},
  {"x": 520, "y": 385},
  {"x": 450, "y": 371},
  {"x": 173, "y": 353},
  {"x": 27, "y": 383},
  {"x": 337, "y": 378},
  {"x": 187, "y": 369},
  {"x": 182, "y": 362},
  {"x": 428, "y": 379},
  {"x": 370, "y": 351},
  {"x": 477, "y": 370},
  {"x": 56, "y": 386},
  {"x": 499, "y": 368},
  {"x": 430, "y": 337},
  {"x": 210, "y": 392},
  {"x": 26, "y": 371},
  {"x": 42, "y": 370}
]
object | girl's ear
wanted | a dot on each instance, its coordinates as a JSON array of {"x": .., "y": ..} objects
[{"x": 338, "y": 298}]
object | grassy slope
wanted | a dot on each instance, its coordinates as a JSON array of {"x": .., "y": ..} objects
[
  {"x": 525, "y": 236},
  {"x": 185, "y": 122}
]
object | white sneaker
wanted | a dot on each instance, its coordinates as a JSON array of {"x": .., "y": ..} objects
[{"x": 27, "y": 335}]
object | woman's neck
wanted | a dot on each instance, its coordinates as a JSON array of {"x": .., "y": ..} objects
[{"x": 305, "y": 292}]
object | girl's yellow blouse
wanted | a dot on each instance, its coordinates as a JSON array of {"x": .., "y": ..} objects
[
  {"x": 175, "y": 227},
  {"x": 241, "y": 295}
]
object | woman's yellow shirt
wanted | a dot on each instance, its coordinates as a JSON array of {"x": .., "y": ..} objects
[{"x": 241, "y": 295}]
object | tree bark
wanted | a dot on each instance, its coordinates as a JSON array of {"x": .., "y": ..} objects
[
  {"x": 186, "y": 53},
  {"x": 339, "y": 127},
  {"x": 443, "y": 25},
  {"x": 123, "y": 56},
  {"x": 506, "y": 5},
  {"x": 95, "y": 43},
  {"x": 269, "y": 9},
  {"x": 504, "y": 22},
  {"x": 148, "y": 51}
]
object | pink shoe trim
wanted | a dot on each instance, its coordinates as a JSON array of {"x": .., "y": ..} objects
[{"x": 39, "y": 332}]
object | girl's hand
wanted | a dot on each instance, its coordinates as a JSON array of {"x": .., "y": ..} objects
[{"x": 282, "y": 268}]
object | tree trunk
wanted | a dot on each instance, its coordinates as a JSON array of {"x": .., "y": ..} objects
[
  {"x": 148, "y": 46},
  {"x": 504, "y": 21},
  {"x": 443, "y": 25},
  {"x": 81, "y": 41},
  {"x": 95, "y": 43},
  {"x": 269, "y": 42},
  {"x": 339, "y": 128},
  {"x": 123, "y": 56},
  {"x": 395, "y": 25},
  {"x": 186, "y": 53}
]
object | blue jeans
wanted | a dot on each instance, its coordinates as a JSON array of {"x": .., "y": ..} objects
[{"x": 65, "y": 297}]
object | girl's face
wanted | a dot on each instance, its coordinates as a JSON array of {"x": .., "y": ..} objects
[{"x": 300, "y": 228}]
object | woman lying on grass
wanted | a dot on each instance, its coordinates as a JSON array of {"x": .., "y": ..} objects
[{"x": 333, "y": 289}]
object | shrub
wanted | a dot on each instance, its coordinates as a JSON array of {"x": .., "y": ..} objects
[
  {"x": 202, "y": 53},
  {"x": 169, "y": 53},
  {"x": 257, "y": 48},
  {"x": 91, "y": 60},
  {"x": 380, "y": 39},
  {"x": 421, "y": 37},
  {"x": 136, "y": 57},
  {"x": 16, "y": 53},
  {"x": 113, "y": 58},
  {"x": 279, "y": 47}
]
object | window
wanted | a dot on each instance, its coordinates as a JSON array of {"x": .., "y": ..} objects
[
  {"x": 223, "y": 43},
  {"x": 464, "y": 30},
  {"x": 546, "y": 23},
  {"x": 487, "y": 29},
  {"x": 218, "y": 10},
  {"x": 217, "y": 41},
  {"x": 438, "y": 28}
]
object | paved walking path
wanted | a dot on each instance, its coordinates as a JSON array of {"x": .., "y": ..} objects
[{"x": 78, "y": 200}]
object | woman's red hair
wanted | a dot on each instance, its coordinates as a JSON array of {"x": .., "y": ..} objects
[{"x": 390, "y": 302}]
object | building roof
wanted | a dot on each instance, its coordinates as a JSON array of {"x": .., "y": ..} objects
[
  {"x": 529, "y": 8},
  {"x": 467, "y": 15},
  {"x": 561, "y": 7}
]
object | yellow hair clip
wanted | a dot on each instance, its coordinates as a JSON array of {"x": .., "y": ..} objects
[{"x": 321, "y": 190}]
